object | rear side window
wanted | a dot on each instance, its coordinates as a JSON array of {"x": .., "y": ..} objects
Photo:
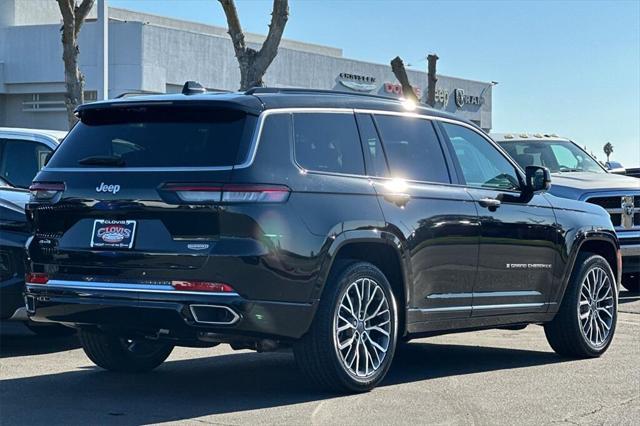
[
  {"x": 20, "y": 160},
  {"x": 376, "y": 160},
  {"x": 412, "y": 149},
  {"x": 328, "y": 143},
  {"x": 157, "y": 136}
]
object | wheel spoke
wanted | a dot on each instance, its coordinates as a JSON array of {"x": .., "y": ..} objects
[
  {"x": 366, "y": 308},
  {"x": 606, "y": 311},
  {"x": 606, "y": 295},
  {"x": 346, "y": 343},
  {"x": 375, "y": 313}
]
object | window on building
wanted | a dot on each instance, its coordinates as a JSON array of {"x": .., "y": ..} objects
[
  {"x": 21, "y": 160},
  {"x": 412, "y": 148},
  {"x": 52, "y": 102},
  {"x": 328, "y": 143},
  {"x": 482, "y": 164}
]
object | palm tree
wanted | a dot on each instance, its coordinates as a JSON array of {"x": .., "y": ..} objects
[{"x": 608, "y": 149}]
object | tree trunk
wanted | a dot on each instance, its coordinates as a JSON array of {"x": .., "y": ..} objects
[
  {"x": 254, "y": 63},
  {"x": 431, "y": 79},
  {"x": 397, "y": 66},
  {"x": 72, "y": 19}
]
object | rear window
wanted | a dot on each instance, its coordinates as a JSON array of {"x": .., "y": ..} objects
[{"x": 157, "y": 136}]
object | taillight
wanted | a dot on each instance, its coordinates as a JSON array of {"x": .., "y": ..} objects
[
  {"x": 230, "y": 193},
  {"x": 36, "y": 278},
  {"x": 196, "y": 193},
  {"x": 202, "y": 286},
  {"x": 44, "y": 191},
  {"x": 255, "y": 193}
]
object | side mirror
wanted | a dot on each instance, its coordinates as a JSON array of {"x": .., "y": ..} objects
[{"x": 538, "y": 178}]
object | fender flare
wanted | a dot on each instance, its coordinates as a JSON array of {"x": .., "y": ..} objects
[
  {"x": 375, "y": 236},
  {"x": 581, "y": 237}
]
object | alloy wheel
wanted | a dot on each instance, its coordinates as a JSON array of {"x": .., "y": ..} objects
[
  {"x": 596, "y": 306},
  {"x": 362, "y": 328}
]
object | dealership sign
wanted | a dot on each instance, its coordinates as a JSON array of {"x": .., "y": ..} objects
[
  {"x": 462, "y": 99},
  {"x": 441, "y": 97},
  {"x": 396, "y": 89},
  {"x": 359, "y": 83}
]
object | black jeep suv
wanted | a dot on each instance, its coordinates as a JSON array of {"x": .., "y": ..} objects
[{"x": 335, "y": 224}]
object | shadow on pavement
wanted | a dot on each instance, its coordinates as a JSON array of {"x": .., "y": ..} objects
[
  {"x": 185, "y": 389},
  {"x": 17, "y": 340}
]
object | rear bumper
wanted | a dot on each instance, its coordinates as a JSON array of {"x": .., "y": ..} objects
[{"x": 151, "y": 309}]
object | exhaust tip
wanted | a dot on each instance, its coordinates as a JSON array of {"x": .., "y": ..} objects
[{"x": 214, "y": 314}]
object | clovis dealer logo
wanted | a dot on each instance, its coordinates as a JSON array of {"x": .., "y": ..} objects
[{"x": 113, "y": 234}]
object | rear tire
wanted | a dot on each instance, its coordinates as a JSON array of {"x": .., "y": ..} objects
[
  {"x": 631, "y": 282},
  {"x": 116, "y": 353},
  {"x": 586, "y": 321},
  {"x": 351, "y": 343}
]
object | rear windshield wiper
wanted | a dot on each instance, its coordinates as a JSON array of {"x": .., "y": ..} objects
[{"x": 102, "y": 160}]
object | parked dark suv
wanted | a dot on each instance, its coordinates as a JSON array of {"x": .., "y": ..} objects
[{"x": 336, "y": 224}]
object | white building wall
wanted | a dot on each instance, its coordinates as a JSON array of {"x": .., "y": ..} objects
[{"x": 156, "y": 54}]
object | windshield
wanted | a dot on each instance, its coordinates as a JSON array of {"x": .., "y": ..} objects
[
  {"x": 557, "y": 156},
  {"x": 157, "y": 137}
]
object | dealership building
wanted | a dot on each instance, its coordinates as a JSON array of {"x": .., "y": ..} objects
[{"x": 122, "y": 51}]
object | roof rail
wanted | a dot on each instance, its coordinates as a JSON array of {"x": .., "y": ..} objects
[
  {"x": 294, "y": 90},
  {"x": 132, "y": 93}
]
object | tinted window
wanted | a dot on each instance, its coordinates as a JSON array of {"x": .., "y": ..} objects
[
  {"x": 20, "y": 160},
  {"x": 376, "y": 160},
  {"x": 412, "y": 148},
  {"x": 482, "y": 164},
  {"x": 159, "y": 137},
  {"x": 328, "y": 143},
  {"x": 558, "y": 156}
]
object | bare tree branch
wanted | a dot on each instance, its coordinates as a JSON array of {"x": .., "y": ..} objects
[
  {"x": 397, "y": 66},
  {"x": 81, "y": 13},
  {"x": 254, "y": 64},
  {"x": 279, "y": 18},
  {"x": 72, "y": 19},
  {"x": 235, "y": 29},
  {"x": 431, "y": 79}
]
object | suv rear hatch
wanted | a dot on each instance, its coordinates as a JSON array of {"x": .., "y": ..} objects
[{"x": 133, "y": 187}]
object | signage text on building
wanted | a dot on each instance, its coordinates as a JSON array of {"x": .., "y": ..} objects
[{"x": 359, "y": 83}]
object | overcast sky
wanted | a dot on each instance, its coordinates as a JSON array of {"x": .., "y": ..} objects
[{"x": 571, "y": 68}]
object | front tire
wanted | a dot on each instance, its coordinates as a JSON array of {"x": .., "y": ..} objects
[
  {"x": 586, "y": 321},
  {"x": 116, "y": 353},
  {"x": 351, "y": 343}
]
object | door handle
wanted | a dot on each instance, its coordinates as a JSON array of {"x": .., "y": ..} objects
[
  {"x": 400, "y": 199},
  {"x": 490, "y": 203}
]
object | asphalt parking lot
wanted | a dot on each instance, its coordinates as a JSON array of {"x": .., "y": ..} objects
[{"x": 489, "y": 377}]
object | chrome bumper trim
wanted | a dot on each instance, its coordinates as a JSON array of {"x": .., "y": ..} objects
[
  {"x": 235, "y": 319},
  {"x": 630, "y": 250},
  {"x": 106, "y": 286}
]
